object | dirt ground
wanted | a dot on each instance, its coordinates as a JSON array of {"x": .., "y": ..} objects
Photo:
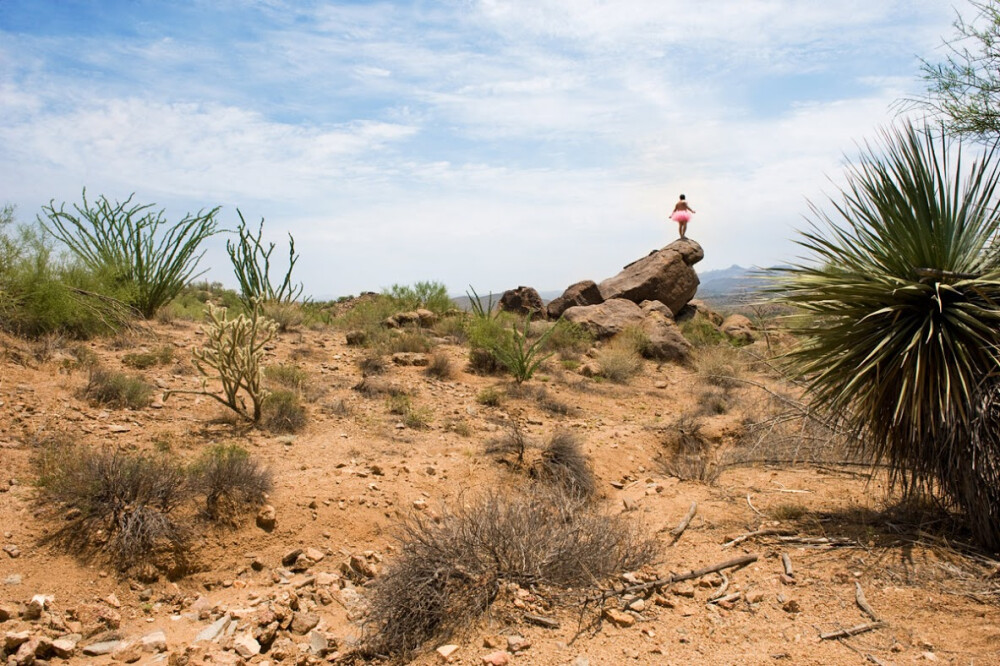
[{"x": 342, "y": 484}]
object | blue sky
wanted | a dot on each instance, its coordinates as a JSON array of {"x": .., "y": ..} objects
[{"x": 485, "y": 142}]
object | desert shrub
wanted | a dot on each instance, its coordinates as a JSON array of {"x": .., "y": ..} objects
[
  {"x": 372, "y": 387},
  {"x": 418, "y": 418},
  {"x": 459, "y": 427},
  {"x": 451, "y": 326},
  {"x": 687, "y": 454},
  {"x": 288, "y": 316},
  {"x": 124, "y": 502},
  {"x": 234, "y": 351},
  {"x": 398, "y": 404},
  {"x": 282, "y": 412},
  {"x": 481, "y": 309},
  {"x": 485, "y": 334},
  {"x": 373, "y": 363},
  {"x": 448, "y": 572},
  {"x": 440, "y": 367},
  {"x": 231, "y": 481},
  {"x": 432, "y": 296},
  {"x": 564, "y": 464},
  {"x": 144, "y": 360},
  {"x": 490, "y": 396},
  {"x": 521, "y": 357},
  {"x": 513, "y": 442},
  {"x": 124, "y": 244},
  {"x": 902, "y": 292},
  {"x": 252, "y": 265},
  {"x": 721, "y": 365},
  {"x": 568, "y": 339},
  {"x": 713, "y": 402},
  {"x": 117, "y": 389},
  {"x": 41, "y": 296},
  {"x": 406, "y": 341},
  {"x": 619, "y": 361},
  {"x": 291, "y": 377},
  {"x": 192, "y": 301},
  {"x": 634, "y": 338},
  {"x": 701, "y": 332}
]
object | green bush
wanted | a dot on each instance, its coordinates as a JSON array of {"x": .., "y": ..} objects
[
  {"x": 123, "y": 244},
  {"x": 701, "y": 332},
  {"x": 432, "y": 296},
  {"x": 144, "y": 360},
  {"x": 521, "y": 357},
  {"x": 619, "y": 361},
  {"x": 568, "y": 339}
]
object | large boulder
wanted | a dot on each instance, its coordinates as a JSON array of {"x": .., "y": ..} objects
[
  {"x": 665, "y": 340},
  {"x": 581, "y": 293},
  {"x": 739, "y": 328},
  {"x": 664, "y": 275},
  {"x": 606, "y": 319},
  {"x": 522, "y": 301},
  {"x": 695, "y": 307}
]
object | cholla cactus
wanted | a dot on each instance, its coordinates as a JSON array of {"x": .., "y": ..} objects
[{"x": 235, "y": 351}]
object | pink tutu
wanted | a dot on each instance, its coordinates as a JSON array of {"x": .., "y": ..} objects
[{"x": 681, "y": 216}]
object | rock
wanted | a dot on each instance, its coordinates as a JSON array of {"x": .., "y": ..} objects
[
  {"x": 319, "y": 644},
  {"x": 522, "y": 301},
  {"x": 14, "y": 639},
  {"x": 267, "y": 518},
  {"x": 606, "y": 319},
  {"x": 100, "y": 649},
  {"x": 446, "y": 651},
  {"x": 315, "y": 554},
  {"x": 246, "y": 645},
  {"x": 128, "y": 653},
  {"x": 303, "y": 623},
  {"x": 581, "y": 293},
  {"x": 12, "y": 550},
  {"x": 154, "y": 642},
  {"x": 499, "y": 658},
  {"x": 517, "y": 643},
  {"x": 590, "y": 369},
  {"x": 25, "y": 655},
  {"x": 289, "y": 558},
  {"x": 426, "y": 318},
  {"x": 7, "y": 612},
  {"x": 619, "y": 618},
  {"x": 214, "y": 630},
  {"x": 664, "y": 275},
  {"x": 697, "y": 307},
  {"x": 739, "y": 328},
  {"x": 38, "y": 603},
  {"x": 64, "y": 648},
  {"x": 791, "y": 606},
  {"x": 415, "y": 359},
  {"x": 666, "y": 343},
  {"x": 656, "y": 306},
  {"x": 683, "y": 590}
]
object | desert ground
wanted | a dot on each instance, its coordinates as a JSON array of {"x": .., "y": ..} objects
[{"x": 822, "y": 532}]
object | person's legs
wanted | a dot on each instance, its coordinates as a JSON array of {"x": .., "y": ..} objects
[{"x": 684, "y": 227}]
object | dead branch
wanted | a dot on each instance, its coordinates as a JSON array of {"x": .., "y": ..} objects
[
  {"x": 676, "y": 533},
  {"x": 768, "y": 531},
  {"x": 852, "y": 631},
  {"x": 786, "y": 562},
  {"x": 735, "y": 563},
  {"x": 721, "y": 592},
  {"x": 541, "y": 621},
  {"x": 828, "y": 542},
  {"x": 859, "y": 596},
  {"x": 750, "y": 504}
]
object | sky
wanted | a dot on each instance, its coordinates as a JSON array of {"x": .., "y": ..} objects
[{"x": 491, "y": 143}]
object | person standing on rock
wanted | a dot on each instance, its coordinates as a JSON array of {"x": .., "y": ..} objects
[{"x": 682, "y": 215}]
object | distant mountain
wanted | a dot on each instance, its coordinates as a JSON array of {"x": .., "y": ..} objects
[{"x": 729, "y": 284}]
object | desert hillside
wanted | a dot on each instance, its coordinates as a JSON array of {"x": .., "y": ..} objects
[{"x": 762, "y": 538}]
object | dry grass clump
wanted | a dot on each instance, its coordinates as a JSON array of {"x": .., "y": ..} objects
[
  {"x": 117, "y": 389},
  {"x": 231, "y": 481},
  {"x": 619, "y": 361},
  {"x": 440, "y": 367},
  {"x": 513, "y": 442},
  {"x": 564, "y": 465},
  {"x": 408, "y": 340},
  {"x": 373, "y": 363},
  {"x": 568, "y": 340},
  {"x": 490, "y": 397},
  {"x": 283, "y": 412},
  {"x": 720, "y": 365},
  {"x": 687, "y": 453},
  {"x": 144, "y": 360},
  {"x": 122, "y": 505},
  {"x": 450, "y": 571}
]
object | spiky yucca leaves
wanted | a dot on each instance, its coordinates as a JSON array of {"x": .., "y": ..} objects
[
  {"x": 902, "y": 301},
  {"x": 234, "y": 351}
]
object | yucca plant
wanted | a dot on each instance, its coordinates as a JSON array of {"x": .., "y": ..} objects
[
  {"x": 901, "y": 301},
  {"x": 520, "y": 357}
]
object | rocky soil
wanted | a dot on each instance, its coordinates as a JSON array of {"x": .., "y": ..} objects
[{"x": 818, "y": 534}]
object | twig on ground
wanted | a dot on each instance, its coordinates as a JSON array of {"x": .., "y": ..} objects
[
  {"x": 541, "y": 621},
  {"x": 786, "y": 562},
  {"x": 767, "y": 531},
  {"x": 752, "y": 507},
  {"x": 721, "y": 592},
  {"x": 852, "y": 631},
  {"x": 676, "y": 533},
  {"x": 859, "y": 596}
]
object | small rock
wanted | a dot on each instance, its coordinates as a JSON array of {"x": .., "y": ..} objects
[
  {"x": 315, "y": 554},
  {"x": 929, "y": 656},
  {"x": 212, "y": 631},
  {"x": 100, "y": 649},
  {"x": 445, "y": 652},
  {"x": 638, "y": 605},
  {"x": 246, "y": 645},
  {"x": 791, "y": 606},
  {"x": 7, "y": 612},
  {"x": 517, "y": 643},
  {"x": 755, "y": 596},
  {"x": 499, "y": 658},
  {"x": 154, "y": 642},
  {"x": 303, "y": 623},
  {"x": 683, "y": 590},
  {"x": 37, "y": 604},
  {"x": 289, "y": 558},
  {"x": 15, "y": 639},
  {"x": 267, "y": 518},
  {"x": 619, "y": 618},
  {"x": 128, "y": 653},
  {"x": 319, "y": 645},
  {"x": 13, "y": 579},
  {"x": 64, "y": 648},
  {"x": 12, "y": 550},
  {"x": 112, "y": 600},
  {"x": 493, "y": 642}
]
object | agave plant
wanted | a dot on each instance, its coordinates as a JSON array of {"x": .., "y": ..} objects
[{"x": 901, "y": 301}]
